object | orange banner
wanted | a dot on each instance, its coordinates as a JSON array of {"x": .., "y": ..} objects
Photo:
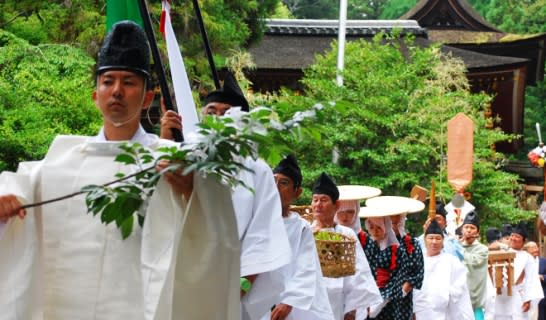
[{"x": 460, "y": 151}]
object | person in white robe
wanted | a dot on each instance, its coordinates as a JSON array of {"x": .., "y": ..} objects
[
  {"x": 532, "y": 248},
  {"x": 351, "y": 293},
  {"x": 264, "y": 243},
  {"x": 451, "y": 245},
  {"x": 60, "y": 262},
  {"x": 444, "y": 294},
  {"x": 527, "y": 286},
  {"x": 304, "y": 296}
]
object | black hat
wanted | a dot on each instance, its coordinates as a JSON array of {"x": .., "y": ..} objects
[
  {"x": 521, "y": 229},
  {"x": 289, "y": 167},
  {"x": 434, "y": 228},
  {"x": 506, "y": 230},
  {"x": 325, "y": 185},
  {"x": 492, "y": 235},
  {"x": 125, "y": 48},
  {"x": 472, "y": 218},
  {"x": 440, "y": 208},
  {"x": 230, "y": 93}
]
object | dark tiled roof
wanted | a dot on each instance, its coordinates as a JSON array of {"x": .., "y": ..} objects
[
  {"x": 475, "y": 60},
  {"x": 304, "y": 27},
  {"x": 444, "y": 14},
  {"x": 297, "y": 52}
]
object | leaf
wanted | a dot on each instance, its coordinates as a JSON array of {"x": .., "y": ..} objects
[
  {"x": 125, "y": 158},
  {"x": 109, "y": 213},
  {"x": 126, "y": 227}
]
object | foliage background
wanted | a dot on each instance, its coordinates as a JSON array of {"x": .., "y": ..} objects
[{"x": 390, "y": 132}]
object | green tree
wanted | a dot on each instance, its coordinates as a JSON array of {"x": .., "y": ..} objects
[
  {"x": 45, "y": 90},
  {"x": 395, "y": 9},
  {"x": 313, "y": 9},
  {"x": 391, "y": 133}
]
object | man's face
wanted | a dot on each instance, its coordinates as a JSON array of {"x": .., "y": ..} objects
[
  {"x": 287, "y": 191},
  {"x": 470, "y": 232},
  {"x": 516, "y": 241},
  {"x": 216, "y": 108},
  {"x": 441, "y": 221},
  {"x": 121, "y": 96},
  {"x": 323, "y": 207},
  {"x": 434, "y": 244}
]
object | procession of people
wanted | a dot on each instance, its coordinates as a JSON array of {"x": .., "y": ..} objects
[{"x": 258, "y": 259}]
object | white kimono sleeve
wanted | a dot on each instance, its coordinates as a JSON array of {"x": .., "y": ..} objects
[
  {"x": 20, "y": 247},
  {"x": 300, "y": 288},
  {"x": 360, "y": 289},
  {"x": 532, "y": 288},
  {"x": 460, "y": 306}
]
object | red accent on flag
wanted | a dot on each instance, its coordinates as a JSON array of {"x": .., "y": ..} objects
[{"x": 162, "y": 22}]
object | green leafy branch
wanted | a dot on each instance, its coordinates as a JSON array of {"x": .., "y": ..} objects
[{"x": 218, "y": 148}]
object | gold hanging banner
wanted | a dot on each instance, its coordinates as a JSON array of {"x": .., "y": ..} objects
[{"x": 460, "y": 151}]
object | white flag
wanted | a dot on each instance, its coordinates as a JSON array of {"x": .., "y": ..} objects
[{"x": 181, "y": 84}]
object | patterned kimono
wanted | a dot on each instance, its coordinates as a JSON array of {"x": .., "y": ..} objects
[
  {"x": 412, "y": 269},
  {"x": 386, "y": 266}
]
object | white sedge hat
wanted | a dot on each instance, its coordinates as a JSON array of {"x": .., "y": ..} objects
[
  {"x": 377, "y": 212},
  {"x": 401, "y": 204},
  {"x": 356, "y": 192}
]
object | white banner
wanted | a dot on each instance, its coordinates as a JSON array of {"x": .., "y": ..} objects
[{"x": 181, "y": 83}]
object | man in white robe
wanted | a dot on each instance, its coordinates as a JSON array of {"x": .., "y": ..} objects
[
  {"x": 61, "y": 263},
  {"x": 444, "y": 294},
  {"x": 304, "y": 297},
  {"x": 346, "y": 294},
  {"x": 264, "y": 244},
  {"x": 527, "y": 286}
]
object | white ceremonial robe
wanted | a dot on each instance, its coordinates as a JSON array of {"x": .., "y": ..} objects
[
  {"x": 303, "y": 289},
  {"x": 509, "y": 307},
  {"x": 444, "y": 294},
  {"x": 358, "y": 291},
  {"x": 62, "y": 263},
  {"x": 264, "y": 243}
]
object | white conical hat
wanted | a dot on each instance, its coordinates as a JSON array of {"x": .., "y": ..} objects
[
  {"x": 376, "y": 212},
  {"x": 356, "y": 192},
  {"x": 404, "y": 204}
]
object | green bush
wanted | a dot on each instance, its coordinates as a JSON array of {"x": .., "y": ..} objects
[{"x": 45, "y": 90}]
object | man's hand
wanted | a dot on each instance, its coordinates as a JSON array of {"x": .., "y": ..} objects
[
  {"x": 9, "y": 207},
  {"x": 526, "y": 306},
  {"x": 427, "y": 223},
  {"x": 169, "y": 120},
  {"x": 281, "y": 311},
  {"x": 351, "y": 315},
  {"x": 180, "y": 184}
]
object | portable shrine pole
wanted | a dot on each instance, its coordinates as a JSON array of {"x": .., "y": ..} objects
[
  {"x": 432, "y": 201},
  {"x": 206, "y": 43}
]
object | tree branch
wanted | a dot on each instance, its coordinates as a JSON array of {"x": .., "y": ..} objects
[{"x": 41, "y": 203}]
